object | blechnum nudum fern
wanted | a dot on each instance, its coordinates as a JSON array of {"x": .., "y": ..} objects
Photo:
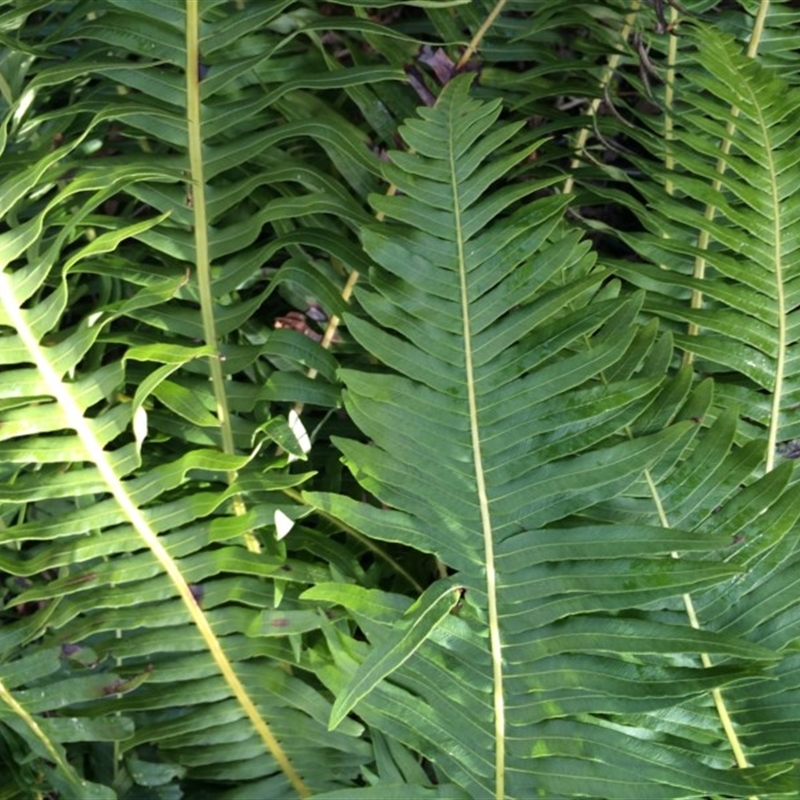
[{"x": 558, "y": 564}]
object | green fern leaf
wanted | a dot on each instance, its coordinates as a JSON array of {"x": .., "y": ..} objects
[
  {"x": 494, "y": 426},
  {"x": 109, "y": 423},
  {"x": 723, "y": 236}
]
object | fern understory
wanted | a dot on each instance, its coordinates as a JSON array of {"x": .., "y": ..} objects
[{"x": 399, "y": 400}]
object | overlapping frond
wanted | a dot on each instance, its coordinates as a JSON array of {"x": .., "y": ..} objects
[
  {"x": 128, "y": 566},
  {"x": 723, "y": 255},
  {"x": 496, "y": 424},
  {"x": 137, "y": 373},
  {"x": 535, "y": 464},
  {"x": 720, "y": 260}
]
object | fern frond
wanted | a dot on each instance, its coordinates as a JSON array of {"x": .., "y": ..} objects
[
  {"x": 491, "y": 429},
  {"x": 125, "y": 568},
  {"x": 744, "y": 323}
]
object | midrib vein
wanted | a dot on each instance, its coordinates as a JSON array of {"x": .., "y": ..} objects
[{"x": 483, "y": 500}]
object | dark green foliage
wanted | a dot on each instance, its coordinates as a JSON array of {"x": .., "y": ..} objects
[{"x": 537, "y": 533}]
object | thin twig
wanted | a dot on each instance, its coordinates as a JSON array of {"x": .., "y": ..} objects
[
  {"x": 605, "y": 79},
  {"x": 479, "y": 34}
]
